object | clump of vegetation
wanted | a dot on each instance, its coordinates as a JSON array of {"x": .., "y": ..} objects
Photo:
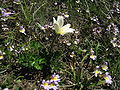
[{"x": 77, "y": 39}]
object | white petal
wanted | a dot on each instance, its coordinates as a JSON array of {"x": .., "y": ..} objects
[
  {"x": 66, "y": 26},
  {"x": 69, "y": 30},
  {"x": 56, "y": 27},
  {"x": 60, "y": 20},
  {"x": 54, "y": 20}
]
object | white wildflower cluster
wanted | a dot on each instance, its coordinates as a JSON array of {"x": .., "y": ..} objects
[
  {"x": 5, "y": 27},
  {"x": 115, "y": 34},
  {"x": 5, "y": 13},
  {"x": 92, "y": 56},
  {"x": 45, "y": 27},
  {"x": 51, "y": 84},
  {"x": 67, "y": 42},
  {"x": 116, "y": 8},
  {"x": 97, "y": 30},
  {"x": 101, "y": 71},
  {"x": 95, "y": 19},
  {"x": 16, "y": 48},
  {"x": 2, "y": 55},
  {"x": 65, "y": 14}
]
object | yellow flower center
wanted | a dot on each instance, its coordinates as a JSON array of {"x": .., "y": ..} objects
[
  {"x": 22, "y": 31},
  {"x": 104, "y": 67},
  {"x": 96, "y": 71},
  {"x": 51, "y": 85},
  {"x": 1, "y": 57},
  {"x": 45, "y": 84},
  {"x": 54, "y": 78},
  {"x": 106, "y": 78},
  {"x": 61, "y": 31},
  {"x": 92, "y": 56},
  {"x": 100, "y": 75}
]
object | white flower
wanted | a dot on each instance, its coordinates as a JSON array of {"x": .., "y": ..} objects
[
  {"x": 108, "y": 78},
  {"x": 97, "y": 72},
  {"x": 59, "y": 28},
  {"x": 5, "y": 89},
  {"x": 104, "y": 66},
  {"x": 22, "y": 30},
  {"x": 93, "y": 57},
  {"x": 78, "y": 1},
  {"x": 1, "y": 57},
  {"x": 45, "y": 84},
  {"x": 66, "y": 16}
]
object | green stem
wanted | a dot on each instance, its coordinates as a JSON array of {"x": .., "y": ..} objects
[
  {"x": 37, "y": 10},
  {"x": 84, "y": 58},
  {"x": 24, "y": 11}
]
